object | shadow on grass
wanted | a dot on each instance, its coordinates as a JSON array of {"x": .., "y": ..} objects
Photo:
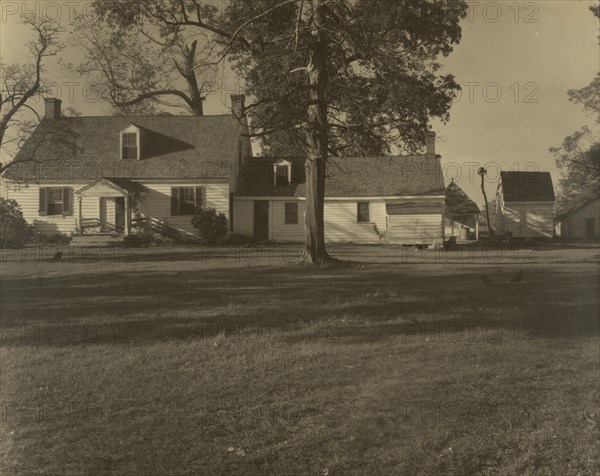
[{"x": 337, "y": 303}]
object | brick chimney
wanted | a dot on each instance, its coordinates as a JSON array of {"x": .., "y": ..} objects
[
  {"x": 238, "y": 104},
  {"x": 430, "y": 142},
  {"x": 52, "y": 108}
]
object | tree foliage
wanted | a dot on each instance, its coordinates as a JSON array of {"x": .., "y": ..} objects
[
  {"x": 211, "y": 224},
  {"x": 14, "y": 230},
  {"x": 22, "y": 82},
  {"x": 384, "y": 80},
  {"x": 326, "y": 77},
  {"x": 578, "y": 157},
  {"x": 142, "y": 61}
]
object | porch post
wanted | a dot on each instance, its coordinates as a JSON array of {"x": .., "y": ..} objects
[
  {"x": 127, "y": 215},
  {"x": 477, "y": 227},
  {"x": 79, "y": 214}
]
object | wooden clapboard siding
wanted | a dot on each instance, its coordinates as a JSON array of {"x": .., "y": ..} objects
[
  {"x": 28, "y": 197},
  {"x": 279, "y": 230},
  {"x": 527, "y": 220},
  {"x": 341, "y": 224},
  {"x": 158, "y": 202},
  {"x": 243, "y": 217},
  {"x": 415, "y": 228}
]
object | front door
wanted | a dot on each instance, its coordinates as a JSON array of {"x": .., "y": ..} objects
[
  {"x": 590, "y": 228},
  {"x": 120, "y": 214},
  {"x": 261, "y": 220}
]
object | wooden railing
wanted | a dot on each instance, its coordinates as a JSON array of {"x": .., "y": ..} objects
[{"x": 156, "y": 226}]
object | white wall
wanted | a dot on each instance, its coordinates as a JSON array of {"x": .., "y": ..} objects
[
  {"x": 279, "y": 230},
  {"x": 422, "y": 228},
  {"x": 158, "y": 202},
  {"x": 28, "y": 197},
  {"x": 157, "y": 205},
  {"x": 341, "y": 224},
  {"x": 526, "y": 220},
  {"x": 340, "y": 221}
]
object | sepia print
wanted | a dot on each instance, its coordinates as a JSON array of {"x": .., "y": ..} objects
[{"x": 299, "y": 237}]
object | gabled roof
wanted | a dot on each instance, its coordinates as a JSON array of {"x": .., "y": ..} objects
[
  {"x": 173, "y": 147},
  {"x": 349, "y": 177},
  {"x": 527, "y": 187},
  {"x": 458, "y": 202},
  {"x": 123, "y": 185}
]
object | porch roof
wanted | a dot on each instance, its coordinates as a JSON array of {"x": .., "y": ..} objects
[{"x": 111, "y": 187}]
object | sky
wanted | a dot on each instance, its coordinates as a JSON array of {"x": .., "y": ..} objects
[{"x": 516, "y": 62}]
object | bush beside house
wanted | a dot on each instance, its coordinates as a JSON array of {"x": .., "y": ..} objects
[
  {"x": 13, "y": 227},
  {"x": 212, "y": 225}
]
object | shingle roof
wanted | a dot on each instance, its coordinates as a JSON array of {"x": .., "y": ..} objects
[
  {"x": 527, "y": 187},
  {"x": 458, "y": 202},
  {"x": 174, "y": 147},
  {"x": 350, "y": 176}
]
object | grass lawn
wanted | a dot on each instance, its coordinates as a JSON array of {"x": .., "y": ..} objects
[{"x": 185, "y": 361}]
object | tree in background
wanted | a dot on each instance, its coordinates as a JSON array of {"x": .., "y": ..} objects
[
  {"x": 144, "y": 58},
  {"x": 578, "y": 157},
  {"x": 21, "y": 83},
  {"x": 342, "y": 78},
  {"x": 327, "y": 77}
]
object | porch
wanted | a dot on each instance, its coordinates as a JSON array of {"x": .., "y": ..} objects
[{"x": 115, "y": 199}]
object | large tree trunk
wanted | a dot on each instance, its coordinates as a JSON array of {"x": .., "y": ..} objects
[
  {"x": 317, "y": 141},
  {"x": 188, "y": 71}
]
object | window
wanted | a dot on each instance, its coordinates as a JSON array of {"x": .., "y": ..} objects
[
  {"x": 362, "y": 212},
  {"x": 282, "y": 174},
  {"x": 129, "y": 142},
  {"x": 188, "y": 201},
  {"x": 185, "y": 200},
  {"x": 291, "y": 213},
  {"x": 55, "y": 201}
]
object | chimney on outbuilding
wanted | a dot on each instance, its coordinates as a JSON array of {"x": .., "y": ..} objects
[
  {"x": 238, "y": 104},
  {"x": 430, "y": 142},
  {"x": 52, "y": 108}
]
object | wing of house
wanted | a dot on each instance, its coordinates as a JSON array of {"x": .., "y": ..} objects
[
  {"x": 525, "y": 204},
  {"x": 94, "y": 175},
  {"x": 462, "y": 214},
  {"x": 368, "y": 199}
]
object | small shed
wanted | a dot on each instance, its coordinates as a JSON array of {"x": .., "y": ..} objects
[
  {"x": 582, "y": 222},
  {"x": 461, "y": 214},
  {"x": 525, "y": 205}
]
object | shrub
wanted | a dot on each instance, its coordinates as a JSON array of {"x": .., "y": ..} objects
[
  {"x": 59, "y": 239},
  {"x": 13, "y": 227},
  {"x": 144, "y": 239},
  {"x": 211, "y": 224}
]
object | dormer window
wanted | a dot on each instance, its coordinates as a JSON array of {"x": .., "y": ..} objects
[
  {"x": 282, "y": 173},
  {"x": 130, "y": 143},
  {"x": 130, "y": 147}
]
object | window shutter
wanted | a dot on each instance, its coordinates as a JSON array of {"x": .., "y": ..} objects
[
  {"x": 199, "y": 198},
  {"x": 42, "y": 210},
  {"x": 67, "y": 202},
  {"x": 174, "y": 201}
]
